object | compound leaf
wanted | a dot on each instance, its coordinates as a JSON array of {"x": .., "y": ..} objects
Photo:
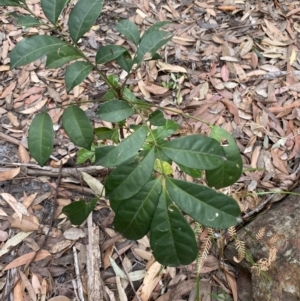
[
  {"x": 78, "y": 126},
  {"x": 133, "y": 216},
  {"x": 127, "y": 179},
  {"x": 171, "y": 238},
  {"x": 33, "y": 48},
  {"x": 40, "y": 138},
  {"x": 53, "y": 8},
  {"x": 83, "y": 16},
  {"x": 205, "y": 205},
  {"x": 231, "y": 169},
  {"x": 195, "y": 151},
  {"x": 76, "y": 73},
  {"x": 115, "y": 110}
]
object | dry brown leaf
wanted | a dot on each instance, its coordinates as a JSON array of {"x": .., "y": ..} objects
[
  {"x": 156, "y": 89},
  {"x": 26, "y": 224},
  {"x": 172, "y": 68},
  {"x": 151, "y": 279},
  {"x": 18, "y": 292},
  {"x": 29, "y": 199},
  {"x": 3, "y": 235},
  {"x": 74, "y": 234},
  {"x": 23, "y": 154},
  {"x": 8, "y": 90},
  {"x": 28, "y": 286},
  {"x": 23, "y": 259},
  {"x": 19, "y": 208},
  {"x": 36, "y": 107},
  {"x": 9, "y": 174},
  {"x": 59, "y": 298}
]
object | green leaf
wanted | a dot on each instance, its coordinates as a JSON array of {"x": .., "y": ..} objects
[
  {"x": 78, "y": 212},
  {"x": 127, "y": 149},
  {"x": 53, "y": 8},
  {"x": 205, "y": 205},
  {"x": 115, "y": 110},
  {"x": 109, "y": 53},
  {"x": 155, "y": 27},
  {"x": 9, "y": 3},
  {"x": 109, "y": 95},
  {"x": 127, "y": 179},
  {"x": 231, "y": 169},
  {"x": 26, "y": 21},
  {"x": 113, "y": 79},
  {"x": 83, "y": 16},
  {"x": 163, "y": 167},
  {"x": 195, "y": 151},
  {"x": 133, "y": 216},
  {"x": 151, "y": 43},
  {"x": 165, "y": 131},
  {"x": 101, "y": 152},
  {"x": 157, "y": 118},
  {"x": 40, "y": 138},
  {"x": 129, "y": 30},
  {"x": 171, "y": 238},
  {"x": 125, "y": 61},
  {"x": 84, "y": 155},
  {"x": 78, "y": 126},
  {"x": 62, "y": 56},
  {"x": 106, "y": 133},
  {"x": 33, "y": 48},
  {"x": 76, "y": 73},
  {"x": 193, "y": 172}
]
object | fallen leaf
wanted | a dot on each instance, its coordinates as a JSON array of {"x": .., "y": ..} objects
[
  {"x": 23, "y": 259},
  {"x": 94, "y": 184},
  {"x": 172, "y": 68},
  {"x": 9, "y": 174},
  {"x": 36, "y": 107}
]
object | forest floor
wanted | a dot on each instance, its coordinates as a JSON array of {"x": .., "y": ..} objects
[{"x": 235, "y": 64}]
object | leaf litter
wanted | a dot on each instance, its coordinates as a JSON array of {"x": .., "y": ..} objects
[{"x": 235, "y": 64}]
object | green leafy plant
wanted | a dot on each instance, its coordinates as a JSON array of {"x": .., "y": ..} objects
[{"x": 140, "y": 187}]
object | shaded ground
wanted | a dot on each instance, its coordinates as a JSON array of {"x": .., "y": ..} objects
[{"x": 235, "y": 64}]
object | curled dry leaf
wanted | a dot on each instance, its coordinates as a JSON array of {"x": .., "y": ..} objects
[{"x": 9, "y": 174}]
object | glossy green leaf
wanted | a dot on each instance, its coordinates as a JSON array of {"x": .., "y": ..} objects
[
  {"x": 195, "y": 151},
  {"x": 106, "y": 133},
  {"x": 62, "y": 56},
  {"x": 9, "y": 3},
  {"x": 109, "y": 53},
  {"x": 205, "y": 205},
  {"x": 193, "y": 172},
  {"x": 33, "y": 48},
  {"x": 101, "y": 152},
  {"x": 83, "y": 16},
  {"x": 83, "y": 155},
  {"x": 155, "y": 27},
  {"x": 40, "y": 138},
  {"x": 26, "y": 21},
  {"x": 157, "y": 118},
  {"x": 134, "y": 216},
  {"x": 127, "y": 149},
  {"x": 115, "y": 110},
  {"x": 127, "y": 179},
  {"x": 78, "y": 126},
  {"x": 166, "y": 130},
  {"x": 113, "y": 79},
  {"x": 171, "y": 237},
  {"x": 76, "y": 73},
  {"x": 125, "y": 61},
  {"x": 78, "y": 212},
  {"x": 129, "y": 30},
  {"x": 231, "y": 169},
  {"x": 109, "y": 95},
  {"x": 53, "y": 8},
  {"x": 151, "y": 43}
]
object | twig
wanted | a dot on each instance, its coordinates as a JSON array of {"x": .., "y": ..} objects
[
  {"x": 77, "y": 271},
  {"x": 127, "y": 275},
  {"x": 258, "y": 208}
]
